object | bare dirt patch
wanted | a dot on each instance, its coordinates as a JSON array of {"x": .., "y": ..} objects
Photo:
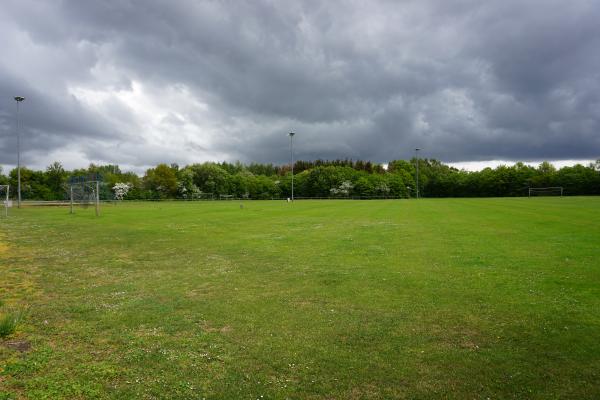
[
  {"x": 207, "y": 327},
  {"x": 19, "y": 345}
]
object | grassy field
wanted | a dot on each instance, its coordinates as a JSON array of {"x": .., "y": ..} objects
[{"x": 449, "y": 298}]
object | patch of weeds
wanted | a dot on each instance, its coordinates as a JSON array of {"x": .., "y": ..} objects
[
  {"x": 6, "y": 396},
  {"x": 9, "y": 322}
]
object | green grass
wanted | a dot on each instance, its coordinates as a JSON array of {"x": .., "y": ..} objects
[{"x": 449, "y": 298}]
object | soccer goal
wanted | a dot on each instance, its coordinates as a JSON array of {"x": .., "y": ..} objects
[
  {"x": 4, "y": 190},
  {"x": 546, "y": 191},
  {"x": 84, "y": 192}
]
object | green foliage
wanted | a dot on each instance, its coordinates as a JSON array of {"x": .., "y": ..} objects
[
  {"x": 397, "y": 185},
  {"x": 263, "y": 169},
  {"x": 161, "y": 181},
  {"x": 211, "y": 178},
  {"x": 3, "y": 178},
  {"x": 186, "y": 188},
  {"x": 319, "y": 178},
  {"x": 9, "y": 321},
  {"x": 55, "y": 180}
]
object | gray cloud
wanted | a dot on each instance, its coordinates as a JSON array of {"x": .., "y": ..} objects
[{"x": 142, "y": 82}]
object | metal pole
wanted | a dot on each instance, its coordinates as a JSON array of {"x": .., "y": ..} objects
[
  {"x": 18, "y": 99},
  {"x": 417, "y": 157},
  {"x": 18, "y": 157},
  {"x": 71, "y": 199},
  {"x": 97, "y": 198},
  {"x": 292, "y": 160}
]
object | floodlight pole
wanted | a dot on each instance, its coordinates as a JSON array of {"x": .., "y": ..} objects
[
  {"x": 291, "y": 135},
  {"x": 18, "y": 99},
  {"x": 417, "y": 157}
]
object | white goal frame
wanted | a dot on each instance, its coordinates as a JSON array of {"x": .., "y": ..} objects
[
  {"x": 85, "y": 186},
  {"x": 5, "y": 201},
  {"x": 546, "y": 190}
]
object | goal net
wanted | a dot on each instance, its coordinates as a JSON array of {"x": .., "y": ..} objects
[
  {"x": 4, "y": 200},
  {"x": 546, "y": 191},
  {"x": 84, "y": 193}
]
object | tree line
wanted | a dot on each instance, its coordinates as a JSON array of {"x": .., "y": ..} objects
[{"x": 320, "y": 178}]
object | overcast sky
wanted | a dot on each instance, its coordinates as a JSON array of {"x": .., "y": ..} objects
[{"x": 142, "y": 82}]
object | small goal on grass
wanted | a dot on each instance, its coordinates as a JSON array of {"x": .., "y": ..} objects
[
  {"x": 546, "y": 191},
  {"x": 85, "y": 191},
  {"x": 4, "y": 200}
]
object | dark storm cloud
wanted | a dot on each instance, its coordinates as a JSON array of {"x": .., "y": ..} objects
[
  {"x": 47, "y": 122},
  {"x": 465, "y": 80}
]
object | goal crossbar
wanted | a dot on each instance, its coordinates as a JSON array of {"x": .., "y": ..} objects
[{"x": 557, "y": 190}]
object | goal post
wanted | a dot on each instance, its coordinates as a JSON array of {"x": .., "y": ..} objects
[
  {"x": 546, "y": 191},
  {"x": 4, "y": 199}
]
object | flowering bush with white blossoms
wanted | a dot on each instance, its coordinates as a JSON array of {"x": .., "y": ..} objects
[
  {"x": 189, "y": 192},
  {"x": 343, "y": 190},
  {"x": 121, "y": 189}
]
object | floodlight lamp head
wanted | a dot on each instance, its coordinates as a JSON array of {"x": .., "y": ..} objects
[
  {"x": 19, "y": 98},
  {"x": 417, "y": 149},
  {"x": 291, "y": 134}
]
